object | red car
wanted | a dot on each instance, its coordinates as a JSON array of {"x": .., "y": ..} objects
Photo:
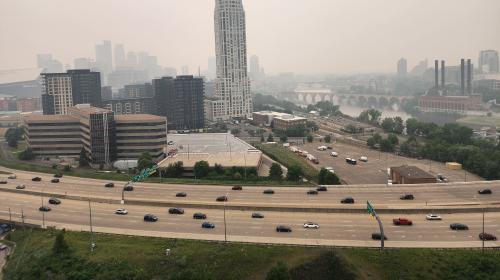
[{"x": 402, "y": 222}]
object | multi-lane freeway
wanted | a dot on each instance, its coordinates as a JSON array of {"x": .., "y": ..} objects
[{"x": 342, "y": 229}]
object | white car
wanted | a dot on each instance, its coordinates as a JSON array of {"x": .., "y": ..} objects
[
  {"x": 363, "y": 158},
  {"x": 13, "y": 176},
  {"x": 121, "y": 211},
  {"x": 329, "y": 168},
  {"x": 311, "y": 225},
  {"x": 334, "y": 154},
  {"x": 322, "y": 148},
  {"x": 433, "y": 217}
]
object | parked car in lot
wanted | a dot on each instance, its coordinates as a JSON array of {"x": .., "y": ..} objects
[
  {"x": 199, "y": 216},
  {"x": 329, "y": 147},
  {"x": 312, "y": 192},
  {"x": 458, "y": 226},
  {"x": 150, "y": 218},
  {"x": 322, "y": 148},
  {"x": 485, "y": 191},
  {"x": 181, "y": 194},
  {"x": 347, "y": 200},
  {"x": 407, "y": 197},
  {"x": 54, "y": 200},
  {"x": 55, "y": 180},
  {"x": 20, "y": 187},
  {"x": 311, "y": 225},
  {"x": 257, "y": 215},
  {"x": 36, "y": 179},
  {"x": 12, "y": 177},
  {"x": 268, "y": 191},
  {"x": 330, "y": 169},
  {"x": 237, "y": 188},
  {"x": 487, "y": 237},
  {"x": 283, "y": 229},
  {"x": 433, "y": 217},
  {"x": 364, "y": 159},
  {"x": 44, "y": 208},
  {"x": 351, "y": 161},
  {"x": 378, "y": 236},
  {"x": 58, "y": 175},
  {"x": 3, "y": 247},
  {"x": 222, "y": 198},
  {"x": 208, "y": 225},
  {"x": 402, "y": 222},
  {"x": 176, "y": 211},
  {"x": 334, "y": 154},
  {"x": 121, "y": 211},
  {"x": 109, "y": 185},
  {"x": 322, "y": 189},
  {"x": 5, "y": 228}
]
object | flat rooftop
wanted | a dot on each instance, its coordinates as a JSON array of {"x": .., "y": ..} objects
[
  {"x": 49, "y": 118},
  {"x": 412, "y": 172},
  {"x": 139, "y": 117}
]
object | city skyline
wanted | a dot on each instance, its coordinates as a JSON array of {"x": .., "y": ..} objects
[{"x": 418, "y": 35}]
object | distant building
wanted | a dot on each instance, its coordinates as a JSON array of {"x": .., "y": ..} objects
[
  {"x": 126, "y": 76},
  {"x": 63, "y": 90},
  {"x": 450, "y": 104},
  {"x": 28, "y": 104},
  {"x": 491, "y": 84},
  {"x": 181, "y": 101},
  {"x": 489, "y": 61},
  {"x": 402, "y": 67},
  {"x": 119, "y": 52},
  {"x": 106, "y": 93},
  {"x": 48, "y": 64},
  {"x": 411, "y": 175},
  {"x": 169, "y": 72},
  {"x": 280, "y": 121},
  {"x": 131, "y": 105},
  {"x": 136, "y": 91},
  {"x": 104, "y": 58}
]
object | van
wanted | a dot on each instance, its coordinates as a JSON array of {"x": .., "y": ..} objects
[{"x": 364, "y": 159}]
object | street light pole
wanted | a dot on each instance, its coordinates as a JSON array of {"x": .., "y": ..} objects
[
  {"x": 483, "y": 231},
  {"x": 225, "y": 225},
  {"x": 10, "y": 218},
  {"x": 92, "y": 245}
]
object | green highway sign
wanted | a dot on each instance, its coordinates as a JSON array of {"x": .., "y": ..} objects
[
  {"x": 145, "y": 173},
  {"x": 370, "y": 209}
]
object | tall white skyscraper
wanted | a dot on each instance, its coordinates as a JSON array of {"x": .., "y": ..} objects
[
  {"x": 232, "y": 89},
  {"x": 119, "y": 55}
]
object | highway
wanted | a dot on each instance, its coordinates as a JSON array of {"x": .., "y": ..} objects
[
  {"x": 335, "y": 229},
  {"x": 435, "y": 196}
]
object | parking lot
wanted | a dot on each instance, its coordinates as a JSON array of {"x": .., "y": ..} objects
[{"x": 375, "y": 170}]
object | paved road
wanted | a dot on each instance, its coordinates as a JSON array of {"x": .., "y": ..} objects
[
  {"x": 426, "y": 196},
  {"x": 335, "y": 229}
]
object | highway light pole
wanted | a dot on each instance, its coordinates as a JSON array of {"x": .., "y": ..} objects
[
  {"x": 43, "y": 211},
  {"x": 92, "y": 244},
  {"x": 372, "y": 212},
  {"x": 483, "y": 231},
  {"x": 225, "y": 225}
]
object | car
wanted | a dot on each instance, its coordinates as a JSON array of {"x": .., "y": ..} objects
[
  {"x": 322, "y": 148},
  {"x": 351, "y": 161},
  {"x": 54, "y": 200},
  {"x": 487, "y": 236},
  {"x": 44, "y": 208},
  {"x": 121, "y": 211},
  {"x": 389, "y": 182},
  {"x": 378, "y": 236},
  {"x": 485, "y": 191},
  {"x": 20, "y": 187},
  {"x": 364, "y": 159},
  {"x": 3, "y": 181},
  {"x": 12, "y": 177},
  {"x": 329, "y": 147},
  {"x": 5, "y": 227},
  {"x": 407, "y": 197},
  {"x": 257, "y": 215},
  {"x": 311, "y": 225},
  {"x": 170, "y": 143},
  {"x": 433, "y": 217},
  {"x": 128, "y": 188},
  {"x": 334, "y": 154},
  {"x": 55, "y": 180},
  {"x": 268, "y": 191},
  {"x": 208, "y": 225},
  {"x": 458, "y": 226},
  {"x": 329, "y": 168},
  {"x": 36, "y": 179},
  {"x": 347, "y": 200},
  {"x": 199, "y": 216},
  {"x": 402, "y": 222},
  {"x": 109, "y": 185},
  {"x": 176, "y": 211},
  {"x": 58, "y": 175},
  {"x": 322, "y": 189},
  {"x": 237, "y": 188},
  {"x": 221, "y": 198},
  {"x": 281, "y": 228},
  {"x": 312, "y": 192},
  {"x": 181, "y": 194},
  {"x": 150, "y": 218},
  {"x": 3, "y": 247}
]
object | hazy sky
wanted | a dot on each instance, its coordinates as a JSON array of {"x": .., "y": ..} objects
[{"x": 302, "y": 36}]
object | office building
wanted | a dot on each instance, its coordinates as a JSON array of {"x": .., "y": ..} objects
[
  {"x": 279, "y": 121},
  {"x": 233, "y": 85},
  {"x": 103, "y": 136},
  {"x": 402, "y": 67},
  {"x": 488, "y": 61},
  {"x": 181, "y": 101},
  {"x": 48, "y": 64},
  {"x": 82, "y": 63},
  {"x": 131, "y": 105},
  {"x": 119, "y": 53},
  {"x": 104, "y": 58}
]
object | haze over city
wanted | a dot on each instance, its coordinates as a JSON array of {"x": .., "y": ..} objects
[{"x": 308, "y": 37}]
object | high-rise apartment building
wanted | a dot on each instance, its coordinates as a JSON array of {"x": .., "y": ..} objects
[
  {"x": 488, "y": 61},
  {"x": 233, "y": 85},
  {"x": 63, "y": 90},
  {"x": 402, "y": 67}
]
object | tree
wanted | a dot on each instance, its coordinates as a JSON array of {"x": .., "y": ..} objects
[
  {"x": 398, "y": 125},
  {"x": 386, "y": 146},
  {"x": 144, "y": 161},
  {"x": 175, "y": 170},
  {"x": 294, "y": 173},
  {"x": 370, "y": 116},
  {"x": 326, "y": 177},
  {"x": 371, "y": 142},
  {"x": 393, "y": 138},
  {"x": 275, "y": 172},
  {"x": 388, "y": 125},
  {"x": 377, "y": 138},
  {"x": 67, "y": 168},
  {"x": 412, "y": 126},
  {"x": 405, "y": 148},
  {"x": 279, "y": 272},
  {"x": 83, "y": 160},
  {"x": 310, "y": 138},
  {"x": 12, "y": 143},
  {"x": 262, "y": 138},
  {"x": 283, "y": 138},
  {"x": 201, "y": 169},
  {"x": 26, "y": 154},
  {"x": 270, "y": 138},
  {"x": 218, "y": 169},
  {"x": 235, "y": 131},
  {"x": 328, "y": 139},
  {"x": 60, "y": 245}
]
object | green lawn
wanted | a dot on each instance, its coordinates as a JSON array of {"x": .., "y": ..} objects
[{"x": 288, "y": 158}]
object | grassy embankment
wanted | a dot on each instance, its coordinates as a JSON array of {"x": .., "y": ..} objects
[{"x": 124, "y": 257}]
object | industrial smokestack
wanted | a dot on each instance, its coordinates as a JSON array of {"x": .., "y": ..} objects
[
  {"x": 470, "y": 69},
  {"x": 436, "y": 73},
  {"x": 443, "y": 75},
  {"x": 462, "y": 76}
]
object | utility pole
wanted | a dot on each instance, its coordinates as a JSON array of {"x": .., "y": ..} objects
[
  {"x": 92, "y": 244},
  {"x": 372, "y": 212},
  {"x": 43, "y": 211},
  {"x": 483, "y": 231},
  {"x": 10, "y": 218},
  {"x": 22, "y": 217},
  {"x": 225, "y": 225}
]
